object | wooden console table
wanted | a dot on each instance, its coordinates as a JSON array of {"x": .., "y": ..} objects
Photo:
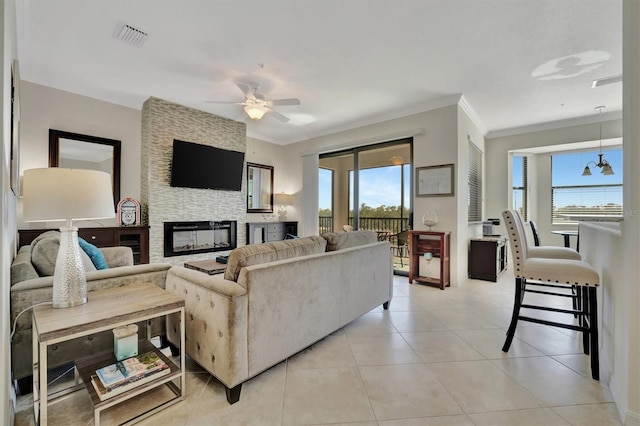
[{"x": 437, "y": 243}]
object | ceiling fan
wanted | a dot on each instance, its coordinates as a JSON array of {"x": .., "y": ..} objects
[{"x": 256, "y": 105}]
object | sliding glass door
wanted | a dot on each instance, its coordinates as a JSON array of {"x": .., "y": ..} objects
[{"x": 370, "y": 189}]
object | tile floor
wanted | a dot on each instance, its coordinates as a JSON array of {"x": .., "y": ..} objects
[{"x": 433, "y": 359}]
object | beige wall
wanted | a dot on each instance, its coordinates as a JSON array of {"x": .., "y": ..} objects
[
  {"x": 436, "y": 140},
  {"x": 45, "y": 108},
  {"x": 269, "y": 154},
  {"x": 498, "y": 181},
  {"x": 8, "y": 207},
  {"x": 629, "y": 400}
]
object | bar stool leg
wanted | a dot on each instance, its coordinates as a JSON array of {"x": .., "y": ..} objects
[
  {"x": 520, "y": 283},
  {"x": 585, "y": 319},
  {"x": 593, "y": 331}
]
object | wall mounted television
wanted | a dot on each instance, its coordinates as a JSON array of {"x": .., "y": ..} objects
[{"x": 195, "y": 165}]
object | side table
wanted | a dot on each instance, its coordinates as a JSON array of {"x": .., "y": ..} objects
[
  {"x": 487, "y": 258},
  {"x": 105, "y": 310},
  {"x": 436, "y": 243}
]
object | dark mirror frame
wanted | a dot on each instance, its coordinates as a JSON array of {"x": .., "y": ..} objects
[
  {"x": 260, "y": 166},
  {"x": 54, "y": 154}
]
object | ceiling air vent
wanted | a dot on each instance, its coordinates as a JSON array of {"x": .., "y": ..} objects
[{"x": 133, "y": 36}]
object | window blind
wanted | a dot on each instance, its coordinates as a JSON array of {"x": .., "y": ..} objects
[
  {"x": 474, "y": 182},
  {"x": 520, "y": 186}
]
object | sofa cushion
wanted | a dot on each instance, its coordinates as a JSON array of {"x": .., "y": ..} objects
[
  {"x": 44, "y": 253},
  {"x": 341, "y": 240},
  {"x": 94, "y": 253},
  {"x": 254, "y": 254}
]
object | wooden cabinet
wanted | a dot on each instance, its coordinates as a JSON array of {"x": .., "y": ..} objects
[
  {"x": 487, "y": 258},
  {"x": 135, "y": 237},
  {"x": 436, "y": 243},
  {"x": 265, "y": 232}
]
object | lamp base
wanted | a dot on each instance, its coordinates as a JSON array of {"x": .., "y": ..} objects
[
  {"x": 282, "y": 213},
  {"x": 69, "y": 279}
]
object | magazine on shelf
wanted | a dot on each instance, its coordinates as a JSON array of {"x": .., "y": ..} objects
[
  {"x": 104, "y": 393},
  {"x": 130, "y": 370}
]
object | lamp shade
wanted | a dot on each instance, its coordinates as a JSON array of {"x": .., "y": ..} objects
[
  {"x": 283, "y": 199},
  {"x": 55, "y": 193}
]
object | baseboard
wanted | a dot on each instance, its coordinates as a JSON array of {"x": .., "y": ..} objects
[{"x": 632, "y": 419}]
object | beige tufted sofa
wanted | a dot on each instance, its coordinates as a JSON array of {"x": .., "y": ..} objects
[
  {"x": 276, "y": 299},
  {"x": 29, "y": 288}
]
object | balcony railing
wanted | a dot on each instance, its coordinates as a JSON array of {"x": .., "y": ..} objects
[
  {"x": 326, "y": 224},
  {"x": 391, "y": 224}
]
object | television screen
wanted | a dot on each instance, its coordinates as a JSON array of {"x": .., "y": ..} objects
[{"x": 201, "y": 166}]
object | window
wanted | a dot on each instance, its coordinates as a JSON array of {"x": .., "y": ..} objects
[
  {"x": 519, "y": 179},
  {"x": 474, "y": 183},
  {"x": 572, "y": 193}
]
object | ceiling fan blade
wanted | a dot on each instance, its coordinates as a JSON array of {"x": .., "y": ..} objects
[
  {"x": 247, "y": 90},
  {"x": 224, "y": 102},
  {"x": 277, "y": 115},
  {"x": 290, "y": 101}
]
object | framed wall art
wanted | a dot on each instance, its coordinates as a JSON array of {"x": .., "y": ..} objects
[{"x": 435, "y": 181}]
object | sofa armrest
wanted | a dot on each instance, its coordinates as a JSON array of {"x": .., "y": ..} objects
[
  {"x": 216, "y": 322},
  {"x": 118, "y": 256}
]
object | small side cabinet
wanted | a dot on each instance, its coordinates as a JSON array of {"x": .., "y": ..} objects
[
  {"x": 266, "y": 232},
  {"x": 487, "y": 258}
]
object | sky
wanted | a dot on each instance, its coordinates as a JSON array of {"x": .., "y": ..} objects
[
  {"x": 381, "y": 185},
  {"x": 378, "y": 186}
]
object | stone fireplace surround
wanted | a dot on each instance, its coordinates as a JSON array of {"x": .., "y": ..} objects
[{"x": 162, "y": 122}]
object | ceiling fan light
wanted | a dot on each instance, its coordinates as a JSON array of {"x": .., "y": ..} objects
[
  {"x": 255, "y": 112},
  {"x": 587, "y": 171}
]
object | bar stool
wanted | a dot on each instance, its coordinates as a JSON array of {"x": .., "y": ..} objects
[
  {"x": 551, "y": 252},
  {"x": 537, "y": 250},
  {"x": 553, "y": 273}
]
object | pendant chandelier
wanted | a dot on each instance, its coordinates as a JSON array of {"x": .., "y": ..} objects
[{"x": 602, "y": 163}]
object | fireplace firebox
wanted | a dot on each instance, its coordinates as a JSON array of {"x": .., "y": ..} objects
[{"x": 182, "y": 238}]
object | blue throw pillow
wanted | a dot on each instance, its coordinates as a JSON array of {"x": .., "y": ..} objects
[{"x": 94, "y": 254}]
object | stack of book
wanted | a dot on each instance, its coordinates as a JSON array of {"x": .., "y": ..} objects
[{"x": 127, "y": 374}]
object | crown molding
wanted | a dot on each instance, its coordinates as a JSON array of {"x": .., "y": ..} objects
[
  {"x": 558, "y": 124},
  {"x": 473, "y": 116}
]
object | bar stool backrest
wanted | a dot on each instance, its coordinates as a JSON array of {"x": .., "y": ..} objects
[{"x": 515, "y": 232}]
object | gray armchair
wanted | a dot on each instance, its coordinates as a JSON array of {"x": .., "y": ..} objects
[{"x": 29, "y": 288}]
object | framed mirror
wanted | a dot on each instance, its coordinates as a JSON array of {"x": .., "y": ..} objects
[
  {"x": 259, "y": 188},
  {"x": 76, "y": 151}
]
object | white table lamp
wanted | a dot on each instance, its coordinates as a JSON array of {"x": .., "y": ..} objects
[
  {"x": 284, "y": 200},
  {"x": 55, "y": 194}
]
